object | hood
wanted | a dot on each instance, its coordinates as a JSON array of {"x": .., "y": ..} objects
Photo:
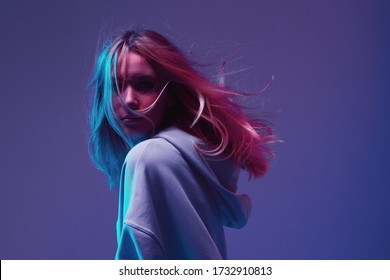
[{"x": 220, "y": 174}]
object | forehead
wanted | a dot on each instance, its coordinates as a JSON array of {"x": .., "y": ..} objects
[{"x": 133, "y": 64}]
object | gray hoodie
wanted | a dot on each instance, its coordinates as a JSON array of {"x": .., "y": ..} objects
[{"x": 174, "y": 201}]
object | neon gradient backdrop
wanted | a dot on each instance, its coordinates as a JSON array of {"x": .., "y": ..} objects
[{"x": 327, "y": 195}]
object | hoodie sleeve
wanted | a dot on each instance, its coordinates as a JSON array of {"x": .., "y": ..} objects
[
  {"x": 137, "y": 244},
  {"x": 167, "y": 210}
]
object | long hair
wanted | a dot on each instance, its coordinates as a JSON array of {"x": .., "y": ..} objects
[{"x": 202, "y": 108}]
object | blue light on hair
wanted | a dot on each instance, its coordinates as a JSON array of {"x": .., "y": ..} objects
[{"x": 109, "y": 142}]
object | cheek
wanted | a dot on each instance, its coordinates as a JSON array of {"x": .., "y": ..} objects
[
  {"x": 116, "y": 104},
  {"x": 145, "y": 101}
]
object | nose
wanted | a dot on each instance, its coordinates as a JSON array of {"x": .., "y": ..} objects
[{"x": 130, "y": 98}]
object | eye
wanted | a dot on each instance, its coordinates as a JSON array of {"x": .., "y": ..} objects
[{"x": 144, "y": 85}]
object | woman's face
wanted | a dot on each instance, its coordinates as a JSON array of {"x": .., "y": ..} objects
[{"x": 139, "y": 86}]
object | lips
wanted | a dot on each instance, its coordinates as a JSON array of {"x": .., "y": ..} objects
[{"x": 130, "y": 119}]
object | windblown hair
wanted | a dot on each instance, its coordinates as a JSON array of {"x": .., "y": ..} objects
[{"x": 202, "y": 108}]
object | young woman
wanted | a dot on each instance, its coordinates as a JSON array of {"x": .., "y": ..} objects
[{"x": 174, "y": 143}]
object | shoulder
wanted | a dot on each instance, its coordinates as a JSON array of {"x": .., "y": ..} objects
[
  {"x": 156, "y": 162},
  {"x": 154, "y": 152}
]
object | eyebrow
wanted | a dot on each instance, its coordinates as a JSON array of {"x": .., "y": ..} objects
[{"x": 135, "y": 76}]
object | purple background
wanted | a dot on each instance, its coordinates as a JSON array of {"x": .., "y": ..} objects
[{"x": 327, "y": 194}]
